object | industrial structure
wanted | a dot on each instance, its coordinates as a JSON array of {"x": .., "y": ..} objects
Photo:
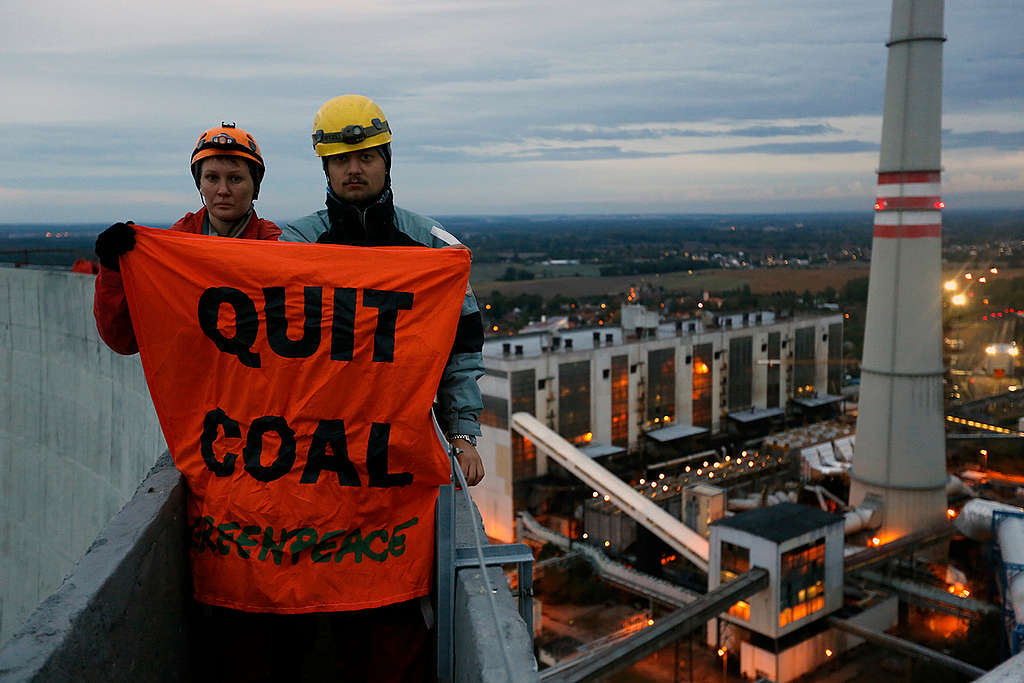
[
  {"x": 802, "y": 549},
  {"x": 648, "y": 386},
  {"x": 900, "y": 456},
  {"x": 722, "y": 415}
]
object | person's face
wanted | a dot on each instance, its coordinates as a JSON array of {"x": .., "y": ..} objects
[
  {"x": 357, "y": 176},
  {"x": 227, "y": 188}
]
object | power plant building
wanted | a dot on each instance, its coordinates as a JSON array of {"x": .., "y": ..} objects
[
  {"x": 646, "y": 384},
  {"x": 802, "y": 550}
]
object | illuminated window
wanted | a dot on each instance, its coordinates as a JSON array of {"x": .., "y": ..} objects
[
  {"x": 702, "y": 386},
  {"x": 741, "y": 610},
  {"x": 802, "y": 582},
  {"x": 574, "y": 400},
  {"x": 735, "y": 561},
  {"x": 661, "y": 384},
  {"x": 524, "y": 399},
  {"x": 741, "y": 362},
  {"x": 620, "y": 401},
  {"x": 804, "y": 370}
]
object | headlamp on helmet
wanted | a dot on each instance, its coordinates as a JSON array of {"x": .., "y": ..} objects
[{"x": 349, "y": 123}]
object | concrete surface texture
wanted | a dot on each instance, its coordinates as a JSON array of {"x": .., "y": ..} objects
[
  {"x": 123, "y": 614},
  {"x": 77, "y": 433}
]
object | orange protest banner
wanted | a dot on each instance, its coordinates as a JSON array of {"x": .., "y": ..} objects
[{"x": 293, "y": 383}]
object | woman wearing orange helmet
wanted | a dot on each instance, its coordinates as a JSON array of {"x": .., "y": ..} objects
[{"x": 228, "y": 168}]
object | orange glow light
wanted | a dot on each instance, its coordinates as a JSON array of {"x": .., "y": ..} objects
[{"x": 876, "y": 541}]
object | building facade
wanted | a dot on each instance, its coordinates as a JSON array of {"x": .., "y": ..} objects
[{"x": 612, "y": 385}]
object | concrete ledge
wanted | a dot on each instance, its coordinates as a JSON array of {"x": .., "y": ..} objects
[
  {"x": 125, "y": 613},
  {"x": 478, "y": 655},
  {"x": 121, "y": 615}
]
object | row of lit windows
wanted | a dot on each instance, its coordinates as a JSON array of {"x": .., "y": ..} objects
[
  {"x": 807, "y": 554},
  {"x": 801, "y": 610}
]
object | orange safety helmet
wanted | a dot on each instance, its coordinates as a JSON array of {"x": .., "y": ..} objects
[{"x": 229, "y": 140}]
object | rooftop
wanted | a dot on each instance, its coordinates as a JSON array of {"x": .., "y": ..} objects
[
  {"x": 780, "y": 522},
  {"x": 676, "y": 431}
]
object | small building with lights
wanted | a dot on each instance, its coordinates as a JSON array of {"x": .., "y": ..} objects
[{"x": 802, "y": 550}]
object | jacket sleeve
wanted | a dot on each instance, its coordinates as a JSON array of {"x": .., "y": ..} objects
[
  {"x": 110, "y": 308},
  {"x": 458, "y": 396}
]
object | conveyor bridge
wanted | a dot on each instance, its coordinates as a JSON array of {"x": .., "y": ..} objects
[{"x": 677, "y": 535}]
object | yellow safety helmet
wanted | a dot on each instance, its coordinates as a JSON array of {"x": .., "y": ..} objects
[{"x": 349, "y": 123}]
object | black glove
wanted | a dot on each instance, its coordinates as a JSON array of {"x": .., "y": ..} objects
[{"x": 118, "y": 239}]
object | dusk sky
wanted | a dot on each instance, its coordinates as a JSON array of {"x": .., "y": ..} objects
[{"x": 497, "y": 107}]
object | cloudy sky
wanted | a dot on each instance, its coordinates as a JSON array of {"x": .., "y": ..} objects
[{"x": 497, "y": 106}]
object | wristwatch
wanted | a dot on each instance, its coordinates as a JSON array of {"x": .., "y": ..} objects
[{"x": 468, "y": 437}]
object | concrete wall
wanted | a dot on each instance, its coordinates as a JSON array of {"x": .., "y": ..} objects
[
  {"x": 122, "y": 615},
  {"x": 77, "y": 433},
  {"x": 126, "y": 613}
]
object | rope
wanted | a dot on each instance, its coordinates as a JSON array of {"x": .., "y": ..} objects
[{"x": 483, "y": 566}]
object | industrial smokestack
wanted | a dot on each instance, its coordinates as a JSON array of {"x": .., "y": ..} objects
[{"x": 900, "y": 453}]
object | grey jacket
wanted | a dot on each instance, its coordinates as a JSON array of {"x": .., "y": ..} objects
[{"x": 458, "y": 397}]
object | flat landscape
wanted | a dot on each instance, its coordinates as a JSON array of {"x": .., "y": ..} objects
[{"x": 761, "y": 280}]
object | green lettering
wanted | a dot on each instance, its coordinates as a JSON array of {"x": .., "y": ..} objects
[
  {"x": 370, "y": 538},
  {"x": 396, "y": 546},
  {"x": 224, "y": 539},
  {"x": 326, "y": 544},
  {"x": 275, "y": 547},
  {"x": 243, "y": 541},
  {"x": 195, "y": 534},
  {"x": 352, "y": 543},
  {"x": 304, "y": 538},
  {"x": 204, "y": 536}
]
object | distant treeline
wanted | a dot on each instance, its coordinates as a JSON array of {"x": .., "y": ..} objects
[{"x": 663, "y": 266}]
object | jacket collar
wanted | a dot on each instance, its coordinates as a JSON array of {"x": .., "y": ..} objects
[{"x": 371, "y": 225}]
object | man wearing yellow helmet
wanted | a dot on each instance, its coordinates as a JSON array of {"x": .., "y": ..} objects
[
  {"x": 353, "y": 139},
  {"x": 228, "y": 168}
]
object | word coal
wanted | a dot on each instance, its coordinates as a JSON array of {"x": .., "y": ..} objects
[{"x": 329, "y": 433}]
